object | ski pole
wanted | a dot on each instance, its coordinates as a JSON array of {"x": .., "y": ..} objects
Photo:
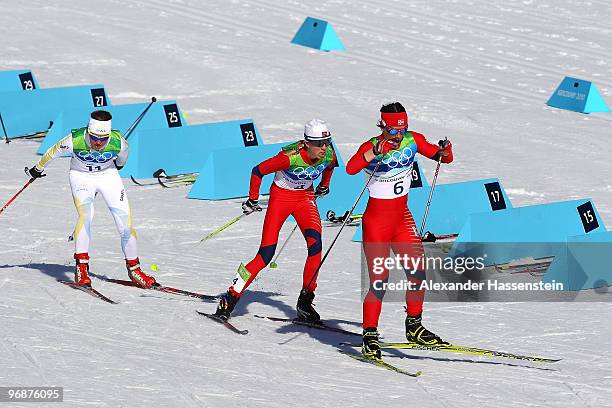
[
  {"x": 346, "y": 220},
  {"x": 4, "y": 129},
  {"x": 433, "y": 186},
  {"x": 273, "y": 264},
  {"x": 15, "y": 196},
  {"x": 223, "y": 227},
  {"x": 138, "y": 119}
]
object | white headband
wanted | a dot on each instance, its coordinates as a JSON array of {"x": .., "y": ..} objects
[{"x": 99, "y": 127}]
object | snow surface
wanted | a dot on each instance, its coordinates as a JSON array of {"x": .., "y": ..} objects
[{"x": 477, "y": 72}]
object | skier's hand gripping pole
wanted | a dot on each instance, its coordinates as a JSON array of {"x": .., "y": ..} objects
[{"x": 250, "y": 206}]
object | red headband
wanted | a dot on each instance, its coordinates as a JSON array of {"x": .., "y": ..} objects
[{"x": 394, "y": 119}]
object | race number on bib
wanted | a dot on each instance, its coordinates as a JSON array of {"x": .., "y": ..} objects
[{"x": 386, "y": 186}]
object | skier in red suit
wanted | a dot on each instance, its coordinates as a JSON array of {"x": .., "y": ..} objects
[
  {"x": 295, "y": 169},
  {"x": 388, "y": 224}
]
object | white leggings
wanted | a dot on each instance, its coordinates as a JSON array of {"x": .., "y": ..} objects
[{"x": 84, "y": 187}]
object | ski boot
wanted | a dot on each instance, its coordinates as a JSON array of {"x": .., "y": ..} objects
[
  {"x": 137, "y": 275},
  {"x": 416, "y": 333},
  {"x": 226, "y": 305},
  {"x": 371, "y": 348},
  {"x": 81, "y": 271},
  {"x": 304, "y": 308}
]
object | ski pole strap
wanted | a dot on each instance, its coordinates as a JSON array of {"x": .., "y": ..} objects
[
  {"x": 15, "y": 196},
  {"x": 139, "y": 118}
]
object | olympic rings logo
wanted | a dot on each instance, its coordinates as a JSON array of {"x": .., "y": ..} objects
[
  {"x": 397, "y": 158},
  {"x": 308, "y": 173},
  {"x": 98, "y": 157}
]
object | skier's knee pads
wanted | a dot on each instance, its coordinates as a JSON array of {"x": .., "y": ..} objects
[
  {"x": 416, "y": 276},
  {"x": 377, "y": 291},
  {"x": 267, "y": 253},
  {"x": 317, "y": 246}
]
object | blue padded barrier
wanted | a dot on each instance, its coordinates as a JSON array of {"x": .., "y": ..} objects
[
  {"x": 185, "y": 149},
  {"x": 583, "y": 262},
  {"x": 227, "y": 172},
  {"x": 318, "y": 34},
  {"x": 26, "y": 113},
  {"x": 579, "y": 96},
  {"x": 525, "y": 232},
  {"x": 20, "y": 80}
]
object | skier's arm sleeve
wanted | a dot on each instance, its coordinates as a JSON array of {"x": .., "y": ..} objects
[
  {"x": 64, "y": 145},
  {"x": 276, "y": 163},
  {"x": 123, "y": 154},
  {"x": 328, "y": 172},
  {"x": 431, "y": 150},
  {"x": 358, "y": 161}
]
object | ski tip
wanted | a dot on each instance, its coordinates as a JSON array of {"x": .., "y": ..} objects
[{"x": 380, "y": 363}]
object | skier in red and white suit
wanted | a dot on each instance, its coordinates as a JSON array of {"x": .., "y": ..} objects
[
  {"x": 296, "y": 167},
  {"x": 387, "y": 223}
]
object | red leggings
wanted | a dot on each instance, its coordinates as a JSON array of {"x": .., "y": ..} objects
[
  {"x": 388, "y": 225},
  {"x": 300, "y": 204}
]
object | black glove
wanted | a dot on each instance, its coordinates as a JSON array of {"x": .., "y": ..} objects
[
  {"x": 118, "y": 167},
  {"x": 321, "y": 191},
  {"x": 444, "y": 143},
  {"x": 34, "y": 172},
  {"x": 250, "y": 206},
  {"x": 444, "y": 149}
]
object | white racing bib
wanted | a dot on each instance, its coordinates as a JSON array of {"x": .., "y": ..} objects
[
  {"x": 384, "y": 185},
  {"x": 394, "y": 173}
]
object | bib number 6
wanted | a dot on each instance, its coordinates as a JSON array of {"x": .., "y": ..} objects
[{"x": 398, "y": 188}]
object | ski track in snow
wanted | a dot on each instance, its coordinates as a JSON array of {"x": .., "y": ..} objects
[{"x": 477, "y": 73}]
